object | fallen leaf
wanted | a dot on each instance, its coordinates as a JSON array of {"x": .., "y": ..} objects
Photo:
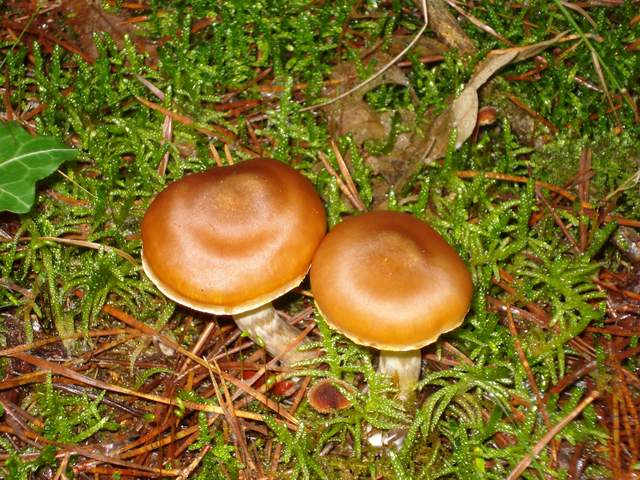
[
  {"x": 87, "y": 18},
  {"x": 462, "y": 114},
  {"x": 352, "y": 114},
  {"x": 446, "y": 27}
]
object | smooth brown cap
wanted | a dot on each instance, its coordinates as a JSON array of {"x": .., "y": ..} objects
[
  {"x": 232, "y": 238},
  {"x": 324, "y": 397},
  {"x": 390, "y": 281}
]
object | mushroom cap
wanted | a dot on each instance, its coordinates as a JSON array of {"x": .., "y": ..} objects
[
  {"x": 324, "y": 397},
  {"x": 233, "y": 238},
  {"x": 390, "y": 281}
]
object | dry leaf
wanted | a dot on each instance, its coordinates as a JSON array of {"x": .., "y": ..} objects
[
  {"x": 353, "y": 114},
  {"x": 463, "y": 112},
  {"x": 88, "y": 17},
  {"x": 445, "y": 26}
]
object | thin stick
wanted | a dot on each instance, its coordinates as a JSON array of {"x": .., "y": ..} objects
[
  {"x": 549, "y": 186},
  {"x": 341, "y": 185},
  {"x": 215, "y": 154},
  {"x": 526, "y": 461},
  {"x": 532, "y": 380},
  {"x": 186, "y": 473},
  {"x": 227, "y": 154},
  {"x": 413, "y": 41},
  {"x": 93, "y": 245},
  {"x": 347, "y": 177}
]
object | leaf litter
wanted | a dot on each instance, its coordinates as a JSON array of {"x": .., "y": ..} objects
[{"x": 428, "y": 137}]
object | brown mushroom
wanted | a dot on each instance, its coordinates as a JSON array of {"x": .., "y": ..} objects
[
  {"x": 324, "y": 397},
  {"x": 232, "y": 239},
  {"x": 390, "y": 281}
]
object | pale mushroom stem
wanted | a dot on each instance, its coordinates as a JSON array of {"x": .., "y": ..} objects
[
  {"x": 267, "y": 329},
  {"x": 403, "y": 368}
]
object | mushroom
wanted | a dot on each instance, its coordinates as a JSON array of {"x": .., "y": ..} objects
[
  {"x": 389, "y": 281},
  {"x": 324, "y": 397},
  {"x": 230, "y": 240}
]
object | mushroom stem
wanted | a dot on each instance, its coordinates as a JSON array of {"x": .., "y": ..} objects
[
  {"x": 267, "y": 329},
  {"x": 402, "y": 367}
]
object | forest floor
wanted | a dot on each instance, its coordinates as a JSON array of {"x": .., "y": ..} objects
[{"x": 511, "y": 128}]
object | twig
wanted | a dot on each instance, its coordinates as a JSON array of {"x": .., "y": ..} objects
[
  {"x": 404, "y": 51},
  {"x": 532, "y": 380},
  {"x": 341, "y": 185},
  {"x": 526, "y": 461},
  {"x": 186, "y": 473},
  {"x": 347, "y": 177},
  {"x": 215, "y": 154},
  {"x": 549, "y": 186}
]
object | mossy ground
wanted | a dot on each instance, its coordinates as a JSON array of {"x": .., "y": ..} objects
[{"x": 555, "y": 311}]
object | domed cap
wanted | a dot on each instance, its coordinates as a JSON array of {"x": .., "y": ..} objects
[
  {"x": 232, "y": 238},
  {"x": 388, "y": 280}
]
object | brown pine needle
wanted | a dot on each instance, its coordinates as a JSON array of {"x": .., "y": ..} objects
[
  {"x": 227, "y": 154},
  {"x": 215, "y": 154},
  {"x": 526, "y": 461},
  {"x": 216, "y": 131},
  {"x": 347, "y": 177},
  {"x": 478, "y": 23},
  {"x": 548, "y": 186},
  {"x": 532, "y": 379},
  {"x": 7, "y": 352},
  {"x": 69, "y": 373},
  {"x": 341, "y": 185},
  {"x": 186, "y": 473},
  {"x": 93, "y": 245},
  {"x": 148, "y": 447},
  {"x": 275, "y": 406}
]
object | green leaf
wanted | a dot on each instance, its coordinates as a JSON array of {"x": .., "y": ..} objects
[{"x": 24, "y": 160}]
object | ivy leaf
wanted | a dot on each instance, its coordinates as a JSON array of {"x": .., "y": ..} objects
[{"x": 24, "y": 160}]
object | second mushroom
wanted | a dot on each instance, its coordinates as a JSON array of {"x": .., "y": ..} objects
[{"x": 389, "y": 281}]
